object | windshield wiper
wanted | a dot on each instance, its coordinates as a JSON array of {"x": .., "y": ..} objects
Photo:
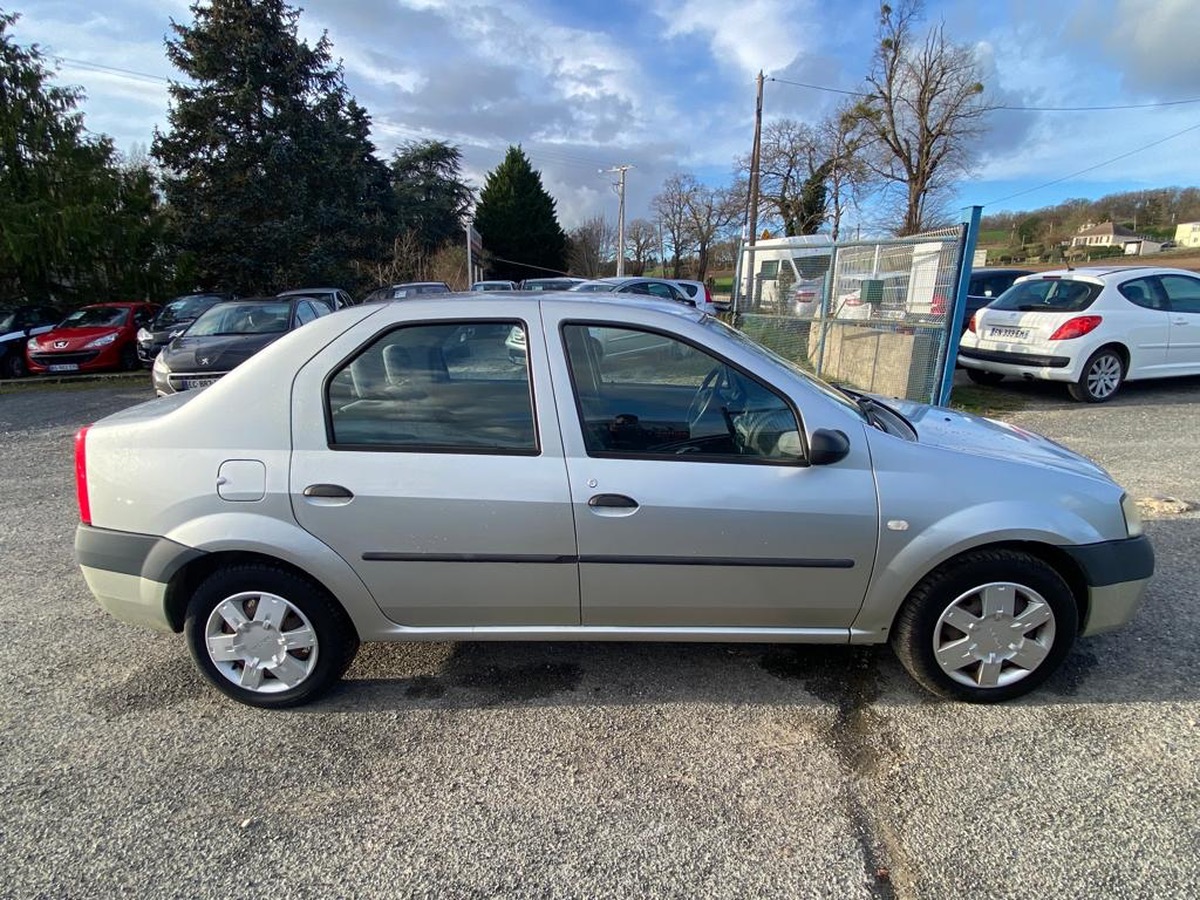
[{"x": 870, "y": 408}]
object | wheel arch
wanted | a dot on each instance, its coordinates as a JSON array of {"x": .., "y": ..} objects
[{"x": 183, "y": 583}]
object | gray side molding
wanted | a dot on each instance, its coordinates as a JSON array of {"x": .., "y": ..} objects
[{"x": 144, "y": 555}]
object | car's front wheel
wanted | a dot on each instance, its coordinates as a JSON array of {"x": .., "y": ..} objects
[
  {"x": 266, "y": 636},
  {"x": 1101, "y": 378},
  {"x": 14, "y": 366},
  {"x": 985, "y": 627},
  {"x": 980, "y": 376}
]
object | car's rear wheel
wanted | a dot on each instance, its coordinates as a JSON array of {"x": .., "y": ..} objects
[
  {"x": 988, "y": 626},
  {"x": 1102, "y": 376},
  {"x": 268, "y": 637},
  {"x": 980, "y": 376}
]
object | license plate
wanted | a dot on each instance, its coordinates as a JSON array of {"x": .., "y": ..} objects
[
  {"x": 1010, "y": 334},
  {"x": 193, "y": 383},
  {"x": 63, "y": 367}
]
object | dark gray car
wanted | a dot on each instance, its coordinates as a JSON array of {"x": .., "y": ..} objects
[{"x": 173, "y": 319}]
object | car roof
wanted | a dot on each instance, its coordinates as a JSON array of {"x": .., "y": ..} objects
[
  {"x": 300, "y": 292},
  {"x": 1102, "y": 272}
]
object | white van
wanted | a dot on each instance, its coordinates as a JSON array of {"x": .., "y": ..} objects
[{"x": 797, "y": 266}]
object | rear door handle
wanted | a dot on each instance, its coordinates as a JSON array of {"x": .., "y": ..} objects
[
  {"x": 328, "y": 492},
  {"x": 612, "y": 501}
]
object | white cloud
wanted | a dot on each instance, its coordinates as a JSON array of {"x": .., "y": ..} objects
[{"x": 751, "y": 35}]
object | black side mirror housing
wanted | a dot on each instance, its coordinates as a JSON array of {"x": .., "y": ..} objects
[{"x": 827, "y": 446}]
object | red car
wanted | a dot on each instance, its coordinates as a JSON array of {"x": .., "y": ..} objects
[{"x": 92, "y": 338}]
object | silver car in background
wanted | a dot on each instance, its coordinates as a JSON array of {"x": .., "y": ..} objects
[{"x": 386, "y": 474}]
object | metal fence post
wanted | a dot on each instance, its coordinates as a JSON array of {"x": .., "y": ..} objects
[
  {"x": 954, "y": 327},
  {"x": 826, "y": 293}
]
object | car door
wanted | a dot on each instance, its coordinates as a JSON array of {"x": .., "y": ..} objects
[
  {"x": 691, "y": 507},
  {"x": 420, "y": 457},
  {"x": 1183, "y": 301},
  {"x": 1145, "y": 327}
]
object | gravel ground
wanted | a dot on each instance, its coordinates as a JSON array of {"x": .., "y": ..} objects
[{"x": 574, "y": 770}]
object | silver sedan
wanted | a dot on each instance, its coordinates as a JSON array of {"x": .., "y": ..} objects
[{"x": 387, "y": 473}]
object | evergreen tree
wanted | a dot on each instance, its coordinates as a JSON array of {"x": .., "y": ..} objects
[
  {"x": 271, "y": 174},
  {"x": 517, "y": 222},
  {"x": 73, "y": 225},
  {"x": 431, "y": 197}
]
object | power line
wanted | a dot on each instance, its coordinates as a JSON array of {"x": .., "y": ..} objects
[
  {"x": 116, "y": 70},
  {"x": 1157, "y": 105},
  {"x": 1096, "y": 166}
]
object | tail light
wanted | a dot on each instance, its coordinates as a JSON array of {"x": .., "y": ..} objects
[
  {"x": 81, "y": 488},
  {"x": 971, "y": 324},
  {"x": 1076, "y": 327}
]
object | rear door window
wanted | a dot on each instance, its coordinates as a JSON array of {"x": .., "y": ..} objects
[{"x": 1142, "y": 292}]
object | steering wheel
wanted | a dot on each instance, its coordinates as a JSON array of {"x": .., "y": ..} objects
[{"x": 720, "y": 384}]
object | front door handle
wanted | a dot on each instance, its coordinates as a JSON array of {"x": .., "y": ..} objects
[
  {"x": 328, "y": 492},
  {"x": 612, "y": 501}
]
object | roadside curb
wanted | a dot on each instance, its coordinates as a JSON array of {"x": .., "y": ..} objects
[{"x": 32, "y": 381}]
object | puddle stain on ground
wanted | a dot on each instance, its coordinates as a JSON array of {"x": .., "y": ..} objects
[{"x": 848, "y": 679}]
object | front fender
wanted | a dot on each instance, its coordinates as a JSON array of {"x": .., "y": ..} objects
[
  {"x": 249, "y": 533},
  {"x": 905, "y": 558}
]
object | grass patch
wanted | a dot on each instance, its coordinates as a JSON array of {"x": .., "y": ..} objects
[{"x": 985, "y": 401}]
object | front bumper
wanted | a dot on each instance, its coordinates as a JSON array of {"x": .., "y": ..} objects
[
  {"x": 128, "y": 573},
  {"x": 43, "y": 361},
  {"x": 1117, "y": 573}
]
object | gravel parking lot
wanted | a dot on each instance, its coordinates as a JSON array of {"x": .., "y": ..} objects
[{"x": 575, "y": 770}]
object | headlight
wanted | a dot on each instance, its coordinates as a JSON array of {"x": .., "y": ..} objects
[
  {"x": 32, "y": 344},
  {"x": 1133, "y": 517},
  {"x": 160, "y": 367},
  {"x": 101, "y": 341},
  {"x": 143, "y": 336}
]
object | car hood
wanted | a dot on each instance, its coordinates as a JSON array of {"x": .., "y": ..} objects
[
  {"x": 218, "y": 353},
  {"x": 75, "y": 337},
  {"x": 952, "y": 430}
]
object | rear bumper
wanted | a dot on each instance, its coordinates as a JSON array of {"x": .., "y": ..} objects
[
  {"x": 1022, "y": 365},
  {"x": 128, "y": 573},
  {"x": 1117, "y": 573}
]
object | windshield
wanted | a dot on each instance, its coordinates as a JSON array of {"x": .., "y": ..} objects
[
  {"x": 764, "y": 353},
  {"x": 96, "y": 317},
  {"x": 1048, "y": 295},
  {"x": 594, "y": 287},
  {"x": 183, "y": 309},
  {"x": 243, "y": 318}
]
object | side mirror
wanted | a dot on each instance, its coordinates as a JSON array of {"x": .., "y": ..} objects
[{"x": 827, "y": 447}]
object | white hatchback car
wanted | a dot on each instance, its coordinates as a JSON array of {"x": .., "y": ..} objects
[{"x": 1092, "y": 328}]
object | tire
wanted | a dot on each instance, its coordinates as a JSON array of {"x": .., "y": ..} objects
[
  {"x": 129, "y": 359},
  {"x": 949, "y": 644},
  {"x": 980, "y": 376},
  {"x": 267, "y": 603},
  {"x": 1102, "y": 376},
  {"x": 14, "y": 366}
]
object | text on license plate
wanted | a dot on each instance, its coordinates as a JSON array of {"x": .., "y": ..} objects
[
  {"x": 193, "y": 383},
  {"x": 1018, "y": 334},
  {"x": 63, "y": 367}
]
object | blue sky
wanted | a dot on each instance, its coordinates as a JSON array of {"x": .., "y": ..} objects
[{"x": 668, "y": 85}]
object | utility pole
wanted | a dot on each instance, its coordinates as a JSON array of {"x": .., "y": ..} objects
[
  {"x": 754, "y": 166},
  {"x": 620, "y": 186}
]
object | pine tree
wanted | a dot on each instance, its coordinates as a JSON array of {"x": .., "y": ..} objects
[
  {"x": 517, "y": 221},
  {"x": 74, "y": 226},
  {"x": 271, "y": 174},
  {"x": 432, "y": 198}
]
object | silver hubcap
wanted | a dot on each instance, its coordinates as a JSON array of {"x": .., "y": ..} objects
[
  {"x": 261, "y": 642},
  {"x": 994, "y": 635},
  {"x": 1104, "y": 376}
]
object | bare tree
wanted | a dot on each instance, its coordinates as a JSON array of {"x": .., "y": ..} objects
[
  {"x": 592, "y": 244},
  {"x": 848, "y": 177},
  {"x": 924, "y": 108},
  {"x": 710, "y": 212},
  {"x": 642, "y": 239},
  {"x": 670, "y": 205},
  {"x": 792, "y": 172}
]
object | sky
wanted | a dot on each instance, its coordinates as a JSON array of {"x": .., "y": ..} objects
[{"x": 668, "y": 85}]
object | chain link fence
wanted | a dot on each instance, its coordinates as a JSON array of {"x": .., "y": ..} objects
[{"x": 873, "y": 315}]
